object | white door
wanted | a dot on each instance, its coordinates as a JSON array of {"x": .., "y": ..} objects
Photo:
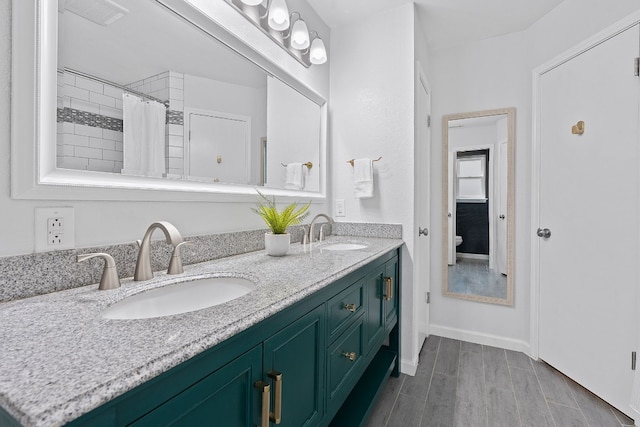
[
  {"x": 423, "y": 199},
  {"x": 588, "y": 266},
  {"x": 217, "y": 148},
  {"x": 500, "y": 213}
]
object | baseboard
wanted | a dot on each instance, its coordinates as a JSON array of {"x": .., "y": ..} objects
[
  {"x": 480, "y": 338},
  {"x": 472, "y": 256},
  {"x": 409, "y": 367}
]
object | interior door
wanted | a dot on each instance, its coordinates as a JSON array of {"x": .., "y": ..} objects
[
  {"x": 217, "y": 148},
  {"x": 589, "y": 205},
  {"x": 501, "y": 212},
  {"x": 423, "y": 197}
]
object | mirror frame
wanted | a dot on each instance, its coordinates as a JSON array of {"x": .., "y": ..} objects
[
  {"x": 34, "y": 174},
  {"x": 510, "y": 113}
]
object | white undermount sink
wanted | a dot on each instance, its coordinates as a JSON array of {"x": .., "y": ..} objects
[
  {"x": 343, "y": 247},
  {"x": 181, "y": 297}
]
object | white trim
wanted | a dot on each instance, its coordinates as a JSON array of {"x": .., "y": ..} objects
[
  {"x": 33, "y": 118},
  {"x": 472, "y": 256},
  {"x": 408, "y": 367},
  {"x": 481, "y": 338},
  {"x": 537, "y": 73}
]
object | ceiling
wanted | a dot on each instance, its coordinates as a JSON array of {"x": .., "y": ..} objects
[{"x": 446, "y": 22}]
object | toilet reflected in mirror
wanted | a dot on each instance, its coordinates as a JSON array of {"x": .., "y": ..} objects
[{"x": 478, "y": 215}]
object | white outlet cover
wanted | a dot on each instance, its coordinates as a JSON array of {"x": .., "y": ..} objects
[
  {"x": 340, "y": 208},
  {"x": 42, "y": 216}
]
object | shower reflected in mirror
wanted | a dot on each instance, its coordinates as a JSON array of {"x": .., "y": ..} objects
[{"x": 478, "y": 216}]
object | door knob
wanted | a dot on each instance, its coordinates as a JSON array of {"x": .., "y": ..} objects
[
  {"x": 423, "y": 231},
  {"x": 544, "y": 232},
  {"x": 501, "y": 217}
]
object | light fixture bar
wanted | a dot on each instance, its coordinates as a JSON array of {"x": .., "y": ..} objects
[{"x": 301, "y": 46}]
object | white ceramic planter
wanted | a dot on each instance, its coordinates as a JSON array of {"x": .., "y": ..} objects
[{"x": 276, "y": 244}]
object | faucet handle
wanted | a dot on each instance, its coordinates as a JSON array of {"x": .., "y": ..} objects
[
  {"x": 175, "y": 265},
  {"x": 110, "y": 279},
  {"x": 305, "y": 236}
]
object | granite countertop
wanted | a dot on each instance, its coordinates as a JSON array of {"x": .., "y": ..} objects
[{"x": 61, "y": 359}]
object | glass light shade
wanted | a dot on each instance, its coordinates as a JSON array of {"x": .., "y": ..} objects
[
  {"x": 299, "y": 35},
  {"x": 278, "y": 15},
  {"x": 251, "y": 2},
  {"x": 317, "y": 53}
]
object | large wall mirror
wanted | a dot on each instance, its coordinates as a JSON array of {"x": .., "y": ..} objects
[
  {"x": 478, "y": 200},
  {"x": 147, "y": 98}
]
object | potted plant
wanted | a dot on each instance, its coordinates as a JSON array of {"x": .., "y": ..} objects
[{"x": 277, "y": 241}]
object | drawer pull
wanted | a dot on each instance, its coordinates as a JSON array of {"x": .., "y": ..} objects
[
  {"x": 388, "y": 281},
  {"x": 265, "y": 389},
  {"x": 350, "y": 355},
  {"x": 276, "y": 416},
  {"x": 350, "y": 307}
]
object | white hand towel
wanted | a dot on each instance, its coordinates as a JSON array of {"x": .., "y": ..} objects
[
  {"x": 363, "y": 178},
  {"x": 295, "y": 177}
]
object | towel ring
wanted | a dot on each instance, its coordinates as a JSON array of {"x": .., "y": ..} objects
[{"x": 353, "y": 160}]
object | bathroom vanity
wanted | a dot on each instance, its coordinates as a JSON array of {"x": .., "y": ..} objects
[{"x": 304, "y": 348}]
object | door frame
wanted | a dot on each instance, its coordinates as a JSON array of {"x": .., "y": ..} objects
[
  {"x": 490, "y": 173},
  {"x": 186, "y": 138},
  {"x": 600, "y": 37}
]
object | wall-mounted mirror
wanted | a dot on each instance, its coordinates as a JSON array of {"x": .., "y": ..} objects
[
  {"x": 478, "y": 200},
  {"x": 150, "y": 96},
  {"x": 142, "y": 92}
]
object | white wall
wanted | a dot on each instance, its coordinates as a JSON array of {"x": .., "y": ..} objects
[
  {"x": 371, "y": 115},
  {"x": 101, "y": 223},
  {"x": 293, "y": 124},
  {"x": 489, "y": 74}
]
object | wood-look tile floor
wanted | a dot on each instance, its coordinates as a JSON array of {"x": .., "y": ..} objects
[
  {"x": 474, "y": 277},
  {"x": 467, "y": 385}
]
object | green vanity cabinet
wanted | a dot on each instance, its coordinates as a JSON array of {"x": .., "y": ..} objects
[
  {"x": 225, "y": 397},
  {"x": 321, "y": 361},
  {"x": 297, "y": 353}
]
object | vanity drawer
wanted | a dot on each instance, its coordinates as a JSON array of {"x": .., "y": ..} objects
[
  {"x": 344, "y": 308},
  {"x": 344, "y": 358}
]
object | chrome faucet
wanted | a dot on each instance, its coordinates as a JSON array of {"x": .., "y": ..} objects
[
  {"x": 143, "y": 264},
  {"x": 313, "y": 221}
]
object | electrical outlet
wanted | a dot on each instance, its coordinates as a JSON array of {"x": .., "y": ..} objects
[
  {"x": 54, "y": 229},
  {"x": 340, "y": 208}
]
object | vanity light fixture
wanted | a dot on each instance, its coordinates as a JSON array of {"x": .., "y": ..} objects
[
  {"x": 278, "y": 16},
  {"x": 251, "y": 2},
  {"x": 317, "y": 51},
  {"x": 299, "y": 33},
  {"x": 273, "y": 19}
]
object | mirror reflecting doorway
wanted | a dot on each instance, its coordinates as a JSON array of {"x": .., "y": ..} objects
[{"x": 478, "y": 205}]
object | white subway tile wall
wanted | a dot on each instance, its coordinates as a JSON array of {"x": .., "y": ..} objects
[{"x": 90, "y": 121}]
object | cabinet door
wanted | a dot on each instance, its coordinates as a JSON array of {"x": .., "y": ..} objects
[
  {"x": 225, "y": 397},
  {"x": 374, "y": 316},
  {"x": 390, "y": 292},
  {"x": 297, "y": 352}
]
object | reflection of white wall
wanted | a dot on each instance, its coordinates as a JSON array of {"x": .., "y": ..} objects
[
  {"x": 471, "y": 136},
  {"x": 206, "y": 94},
  {"x": 293, "y": 134}
]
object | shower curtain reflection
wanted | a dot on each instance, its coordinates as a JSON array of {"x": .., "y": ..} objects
[{"x": 143, "y": 137}]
